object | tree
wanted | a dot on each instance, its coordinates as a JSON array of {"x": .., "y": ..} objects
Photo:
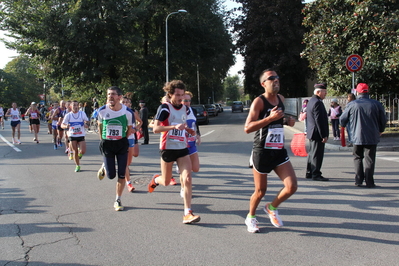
[
  {"x": 338, "y": 29},
  {"x": 231, "y": 88},
  {"x": 270, "y": 35},
  {"x": 19, "y": 83},
  {"x": 89, "y": 45}
]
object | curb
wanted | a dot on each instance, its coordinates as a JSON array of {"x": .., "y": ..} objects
[{"x": 337, "y": 147}]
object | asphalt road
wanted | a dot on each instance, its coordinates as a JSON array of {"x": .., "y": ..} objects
[{"x": 50, "y": 215}]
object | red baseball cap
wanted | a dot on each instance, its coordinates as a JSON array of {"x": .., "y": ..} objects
[{"x": 362, "y": 88}]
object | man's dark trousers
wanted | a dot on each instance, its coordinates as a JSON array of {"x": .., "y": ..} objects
[
  {"x": 315, "y": 158},
  {"x": 368, "y": 153}
]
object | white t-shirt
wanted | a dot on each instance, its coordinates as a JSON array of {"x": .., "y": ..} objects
[{"x": 76, "y": 122}]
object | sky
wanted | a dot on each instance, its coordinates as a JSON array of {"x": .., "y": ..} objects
[{"x": 6, "y": 55}]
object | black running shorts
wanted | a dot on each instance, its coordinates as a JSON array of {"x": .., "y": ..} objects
[
  {"x": 111, "y": 148},
  {"x": 78, "y": 139},
  {"x": 266, "y": 160},
  {"x": 172, "y": 155},
  {"x": 34, "y": 122}
]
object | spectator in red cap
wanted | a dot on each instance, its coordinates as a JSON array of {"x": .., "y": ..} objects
[{"x": 367, "y": 119}]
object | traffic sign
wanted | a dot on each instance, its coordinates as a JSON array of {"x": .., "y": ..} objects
[{"x": 354, "y": 63}]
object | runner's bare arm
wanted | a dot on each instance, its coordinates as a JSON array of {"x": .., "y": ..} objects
[{"x": 252, "y": 123}]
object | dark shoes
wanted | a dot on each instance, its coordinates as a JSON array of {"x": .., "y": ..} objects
[
  {"x": 320, "y": 178},
  {"x": 366, "y": 186}
]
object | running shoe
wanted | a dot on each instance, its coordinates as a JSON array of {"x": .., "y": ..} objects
[
  {"x": 177, "y": 169},
  {"x": 173, "y": 182},
  {"x": 182, "y": 192},
  {"x": 252, "y": 225},
  {"x": 152, "y": 185},
  {"x": 130, "y": 187},
  {"x": 71, "y": 156},
  {"x": 101, "y": 173},
  {"x": 37, "y": 141},
  {"x": 34, "y": 139},
  {"x": 77, "y": 168},
  {"x": 118, "y": 205},
  {"x": 60, "y": 145},
  {"x": 19, "y": 142},
  {"x": 191, "y": 218},
  {"x": 55, "y": 146},
  {"x": 273, "y": 215},
  {"x": 80, "y": 155},
  {"x": 13, "y": 141},
  {"x": 66, "y": 151}
]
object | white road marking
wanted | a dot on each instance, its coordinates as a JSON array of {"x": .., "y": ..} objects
[
  {"x": 395, "y": 159},
  {"x": 207, "y": 133},
  {"x": 10, "y": 144}
]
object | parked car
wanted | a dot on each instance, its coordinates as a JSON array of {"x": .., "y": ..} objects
[
  {"x": 201, "y": 114},
  {"x": 220, "y": 107},
  {"x": 217, "y": 108},
  {"x": 211, "y": 109},
  {"x": 237, "y": 106}
]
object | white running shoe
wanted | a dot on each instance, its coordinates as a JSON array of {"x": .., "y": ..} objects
[
  {"x": 177, "y": 169},
  {"x": 252, "y": 225},
  {"x": 118, "y": 205},
  {"x": 273, "y": 215}
]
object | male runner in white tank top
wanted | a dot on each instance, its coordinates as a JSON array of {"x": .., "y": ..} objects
[{"x": 170, "y": 121}]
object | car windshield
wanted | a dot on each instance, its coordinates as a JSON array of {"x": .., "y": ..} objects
[{"x": 198, "y": 108}]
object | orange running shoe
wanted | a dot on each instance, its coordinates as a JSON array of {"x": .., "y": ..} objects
[
  {"x": 130, "y": 187},
  {"x": 191, "y": 218},
  {"x": 172, "y": 182},
  {"x": 273, "y": 215},
  {"x": 152, "y": 185}
]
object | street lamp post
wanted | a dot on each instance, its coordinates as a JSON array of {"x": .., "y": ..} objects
[{"x": 166, "y": 40}]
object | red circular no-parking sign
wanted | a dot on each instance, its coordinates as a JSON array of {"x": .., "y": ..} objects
[{"x": 354, "y": 63}]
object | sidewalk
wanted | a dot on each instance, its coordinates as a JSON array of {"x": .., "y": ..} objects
[{"x": 387, "y": 142}]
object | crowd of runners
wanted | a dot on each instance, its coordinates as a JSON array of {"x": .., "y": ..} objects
[{"x": 175, "y": 120}]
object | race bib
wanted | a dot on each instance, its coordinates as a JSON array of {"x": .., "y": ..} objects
[
  {"x": 193, "y": 126},
  {"x": 114, "y": 132},
  {"x": 75, "y": 129},
  {"x": 176, "y": 135},
  {"x": 15, "y": 117},
  {"x": 33, "y": 115},
  {"x": 275, "y": 138}
]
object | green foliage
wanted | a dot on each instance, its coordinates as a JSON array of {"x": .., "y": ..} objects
[
  {"x": 340, "y": 28},
  {"x": 270, "y": 35},
  {"x": 18, "y": 83},
  {"x": 231, "y": 88},
  {"x": 88, "y": 45}
]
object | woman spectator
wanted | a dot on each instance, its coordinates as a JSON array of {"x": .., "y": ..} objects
[{"x": 334, "y": 113}]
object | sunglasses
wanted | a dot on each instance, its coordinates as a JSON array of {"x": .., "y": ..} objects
[
  {"x": 272, "y": 78},
  {"x": 186, "y": 101}
]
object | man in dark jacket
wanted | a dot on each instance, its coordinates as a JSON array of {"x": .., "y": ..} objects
[
  {"x": 367, "y": 119},
  {"x": 144, "y": 118},
  {"x": 317, "y": 132}
]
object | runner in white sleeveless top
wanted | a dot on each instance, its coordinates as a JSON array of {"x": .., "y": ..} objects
[
  {"x": 133, "y": 144},
  {"x": 171, "y": 123},
  {"x": 76, "y": 122},
  {"x": 15, "y": 115}
]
